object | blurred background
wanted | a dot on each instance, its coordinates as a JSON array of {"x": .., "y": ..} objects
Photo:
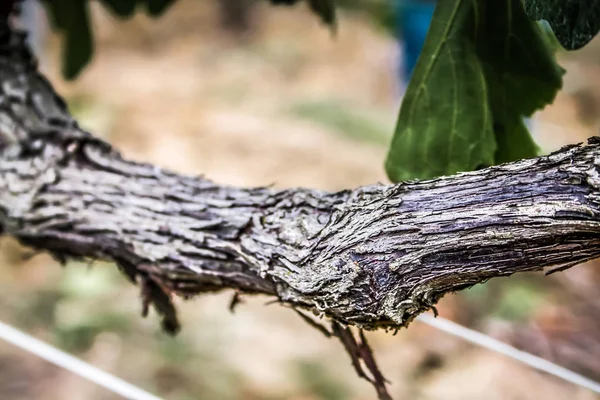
[{"x": 248, "y": 94}]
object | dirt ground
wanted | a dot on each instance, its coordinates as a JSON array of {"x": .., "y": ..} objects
[{"x": 288, "y": 105}]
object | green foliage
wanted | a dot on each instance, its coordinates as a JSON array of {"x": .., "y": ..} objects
[
  {"x": 83, "y": 282},
  {"x": 315, "y": 380},
  {"x": 484, "y": 67},
  {"x": 80, "y": 336},
  {"x": 325, "y": 9},
  {"x": 381, "y": 13},
  {"x": 349, "y": 121},
  {"x": 120, "y": 8},
  {"x": 511, "y": 299},
  {"x": 37, "y": 309},
  {"x": 574, "y": 22},
  {"x": 157, "y": 7},
  {"x": 549, "y": 35},
  {"x": 71, "y": 19},
  {"x": 519, "y": 302},
  {"x": 80, "y": 288}
]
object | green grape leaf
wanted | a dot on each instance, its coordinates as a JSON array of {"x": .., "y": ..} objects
[
  {"x": 121, "y": 8},
  {"x": 71, "y": 18},
  {"x": 158, "y": 7},
  {"x": 574, "y": 22},
  {"x": 483, "y": 68}
]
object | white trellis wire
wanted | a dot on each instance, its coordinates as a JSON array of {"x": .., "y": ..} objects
[
  {"x": 72, "y": 364},
  {"x": 118, "y": 386},
  {"x": 490, "y": 343}
]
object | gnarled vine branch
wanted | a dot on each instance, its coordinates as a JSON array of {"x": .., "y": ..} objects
[{"x": 372, "y": 257}]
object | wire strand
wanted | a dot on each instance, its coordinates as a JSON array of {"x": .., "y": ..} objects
[
  {"x": 490, "y": 343},
  {"x": 72, "y": 364},
  {"x": 129, "y": 391}
]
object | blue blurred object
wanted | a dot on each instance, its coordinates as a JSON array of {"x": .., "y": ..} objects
[{"x": 414, "y": 18}]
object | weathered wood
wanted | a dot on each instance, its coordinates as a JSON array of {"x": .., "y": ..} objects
[{"x": 374, "y": 256}]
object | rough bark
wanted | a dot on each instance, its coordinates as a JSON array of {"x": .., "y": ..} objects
[{"x": 372, "y": 257}]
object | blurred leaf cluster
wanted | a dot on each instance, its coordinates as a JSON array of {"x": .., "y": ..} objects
[
  {"x": 72, "y": 19},
  {"x": 514, "y": 299},
  {"x": 67, "y": 306},
  {"x": 485, "y": 68},
  {"x": 349, "y": 121}
]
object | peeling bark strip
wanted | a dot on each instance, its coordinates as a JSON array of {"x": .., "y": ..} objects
[{"x": 371, "y": 257}]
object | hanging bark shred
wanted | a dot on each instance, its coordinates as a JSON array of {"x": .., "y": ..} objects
[
  {"x": 236, "y": 300},
  {"x": 362, "y": 352}
]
